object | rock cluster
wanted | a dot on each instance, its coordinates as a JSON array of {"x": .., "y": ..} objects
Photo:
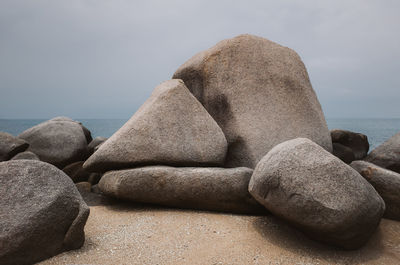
[{"x": 238, "y": 129}]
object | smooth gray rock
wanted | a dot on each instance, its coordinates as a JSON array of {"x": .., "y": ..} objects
[
  {"x": 357, "y": 142},
  {"x": 96, "y": 143},
  {"x": 26, "y": 155},
  {"x": 86, "y": 131},
  {"x": 315, "y": 191},
  {"x": 387, "y": 155},
  {"x": 170, "y": 128},
  {"x": 259, "y": 93},
  {"x": 385, "y": 182},
  {"x": 58, "y": 141},
  {"x": 41, "y": 212},
  {"x": 345, "y": 153},
  {"x": 215, "y": 189},
  {"x": 10, "y": 146}
]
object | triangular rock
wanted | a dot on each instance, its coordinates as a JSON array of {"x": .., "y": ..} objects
[{"x": 170, "y": 128}]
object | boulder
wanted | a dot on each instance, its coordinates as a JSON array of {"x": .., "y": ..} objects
[
  {"x": 315, "y": 191},
  {"x": 343, "y": 152},
  {"x": 357, "y": 142},
  {"x": 76, "y": 172},
  {"x": 385, "y": 182},
  {"x": 387, "y": 155},
  {"x": 96, "y": 143},
  {"x": 259, "y": 93},
  {"x": 215, "y": 189},
  {"x": 58, "y": 142},
  {"x": 94, "y": 178},
  {"x": 83, "y": 187},
  {"x": 10, "y": 146},
  {"x": 26, "y": 155},
  {"x": 170, "y": 128},
  {"x": 88, "y": 134},
  {"x": 41, "y": 212}
]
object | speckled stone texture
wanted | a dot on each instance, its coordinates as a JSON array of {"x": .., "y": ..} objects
[
  {"x": 386, "y": 183},
  {"x": 216, "y": 189},
  {"x": 315, "y": 191},
  {"x": 259, "y": 93},
  {"x": 170, "y": 128},
  {"x": 60, "y": 141},
  {"x": 41, "y": 212},
  {"x": 10, "y": 146},
  {"x": 357, "y": 142},
  {"x": 387, "y": 155}
]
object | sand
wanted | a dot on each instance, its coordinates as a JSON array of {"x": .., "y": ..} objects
[{"x": 125, "y": 233}]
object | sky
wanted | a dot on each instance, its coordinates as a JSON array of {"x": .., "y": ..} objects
[{"x": 102, "y": 58}]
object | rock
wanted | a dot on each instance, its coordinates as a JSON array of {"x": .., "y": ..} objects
[
  {"x": 387, "y": 155},
  {"x": 94, "y": 178},
  {"x": 385, "y": 182},
  {"x": 170, "y": 128},
  {"x": 310, "y": 188},
  {"x": 83, "y": 187},
  {"x": 259, "y": 93},
  {"x": 88, "y": 134},
  {"x": 357, "y": 142},
  {"x": 58, "y": 142},
  {"x": 343, "y": 152},
  {"x": 76, "y": 172},
  {"x": 215, "y": 189},
  {"x": 41, "y": 212},
  {"x": 26, "y": 155},
  {"x": 96, "y": 143},
  {"x": 10, "y": 146}
]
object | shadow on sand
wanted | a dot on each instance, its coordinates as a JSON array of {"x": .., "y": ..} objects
[{"x": 284, "y": 236}]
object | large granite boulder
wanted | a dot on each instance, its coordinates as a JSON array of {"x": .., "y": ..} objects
[
  {"x": 58, "y": 141},
  {"x": 387, "y": 155},
  {"x": 315, "y": 191},
  {"x": 357, "y": 142},
  {"x": 25, "y": 155},
  {"x": 385, "y": 182},
  {"x": 41, "y": 212},
  {"x": 170, "y": 128},
  {"x": 10, "y": 146},
  {"x": 259, "y": 93},
  {"x": 216, "y": 189},
  {"x": 345, "y": 153},
  {"x": 86, "y": 131}
]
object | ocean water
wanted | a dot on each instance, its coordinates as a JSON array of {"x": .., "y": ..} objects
[{"x": 377, "y": 130}]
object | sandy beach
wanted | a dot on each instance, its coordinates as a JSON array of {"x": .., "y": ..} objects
[{"x": 125, "y": 233}]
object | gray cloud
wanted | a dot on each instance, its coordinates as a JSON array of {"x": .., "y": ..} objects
[{"x": 101, "y": 59}]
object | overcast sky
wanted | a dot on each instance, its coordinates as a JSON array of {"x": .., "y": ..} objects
[{"x": 102, "y": 58}]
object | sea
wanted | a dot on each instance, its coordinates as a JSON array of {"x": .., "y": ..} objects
[{"x": 377, "y": 130}]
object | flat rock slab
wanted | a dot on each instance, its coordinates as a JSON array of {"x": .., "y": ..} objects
[
  {"x": 386, "y": 183},
  {"x": 170, "y": 128},
  {"x": 259, "y": 93},
  {"x": 216, "y": 189},
  {"x": 60, "y": 141},
  {"x": 41, "y": 212},
  {"x": 312, "y": 189},
  {"x": 387, "y": 155},
  {"x": 131, "y": 234}
]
